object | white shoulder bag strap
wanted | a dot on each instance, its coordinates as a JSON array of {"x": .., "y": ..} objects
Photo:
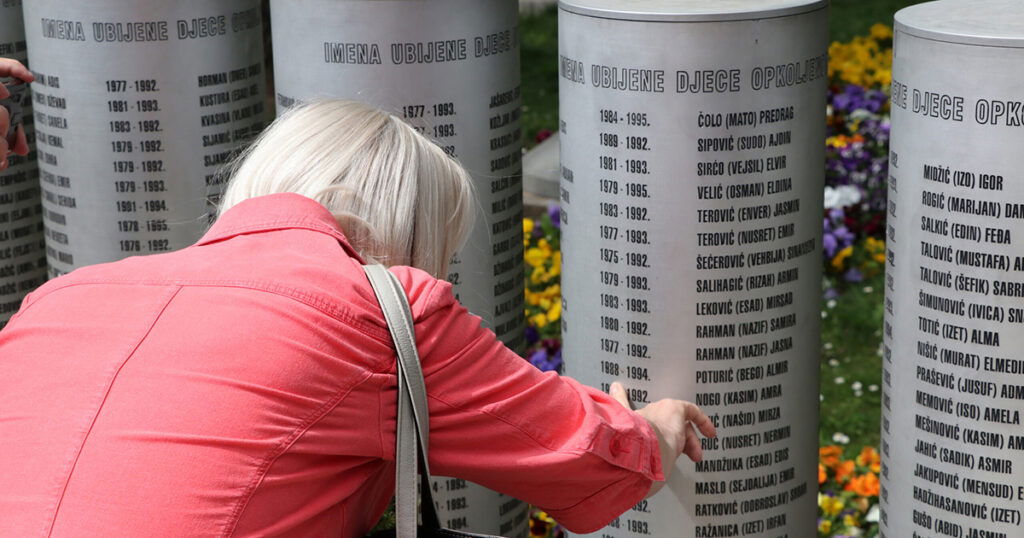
[
  {"x": 413, "y": 415},
  {"x": 413, "y": 431}
]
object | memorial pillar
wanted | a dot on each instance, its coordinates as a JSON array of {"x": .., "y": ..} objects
[
  {"x": 692, "y": 177},
  {"x": 953, "y": 378},
  {"x": 451, "y": 69},
  {"x": 139, "y": 103},
  {"x": 22, "y": 252}
]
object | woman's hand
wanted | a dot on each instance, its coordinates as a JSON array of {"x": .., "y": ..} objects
[
  {"x": 17, "y": 143},
  {"x": 673, "y": 421}
]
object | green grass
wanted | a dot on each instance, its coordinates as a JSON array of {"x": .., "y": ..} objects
[
  {"x": 539, "y": 52},
  {"x": 851, "y": 336}
]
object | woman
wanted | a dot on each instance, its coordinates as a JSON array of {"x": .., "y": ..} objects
[{"x": 246, "y": 385}]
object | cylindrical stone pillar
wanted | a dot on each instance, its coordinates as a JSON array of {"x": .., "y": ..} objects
[
  {"x": 22, "y": 252},
  {"x": 692, "y": 179},
  {"x": 138, "y": 105},
  {"x": 451, "y": 69},
  {"x": 953, "y": 378}
]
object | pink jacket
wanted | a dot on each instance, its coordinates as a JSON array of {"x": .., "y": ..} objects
[{"x": 246, "y": 386}]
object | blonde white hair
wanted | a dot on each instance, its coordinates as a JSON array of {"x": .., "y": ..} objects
[{"x": 397, "y": 196}]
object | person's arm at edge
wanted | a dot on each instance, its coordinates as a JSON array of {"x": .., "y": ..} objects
[
  {"x": 19, "y": 143},
  {"x": 549, "y": 440}
]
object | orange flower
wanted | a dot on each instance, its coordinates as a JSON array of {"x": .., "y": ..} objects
[
  {"x": 869, "y": 458},
  {"x": 844, "y": 471},
  {"x": 865, "y": 485},
  {"x": 821, "y": 474},
  {"x": 829, "y": 455}
]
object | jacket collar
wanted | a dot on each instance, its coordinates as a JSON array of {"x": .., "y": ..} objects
[{"x": 277, "y": 212}]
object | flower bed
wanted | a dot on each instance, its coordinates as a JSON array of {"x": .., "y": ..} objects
[
  {"x": 857, "y": 158},
  {"x": 543, "y": 290},
  {"x": 853, "y": 245},
  {"x": 848, "y": 492}
]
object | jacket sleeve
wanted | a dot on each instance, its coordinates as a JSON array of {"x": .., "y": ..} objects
[{"x": 498, "y": 421}]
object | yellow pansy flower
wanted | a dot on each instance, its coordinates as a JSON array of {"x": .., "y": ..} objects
[
  {"x": 539, "y": 320},
  {"x": 556, "y": 263},
  {"x": 880, "y": 31},
  {"x": 841, "y": 256},
  {"x": 537, "y": 275},
  {"x": 883, "y": 77},
  {"x": 545, "y": 247},
  {"x": 535, "y": 257},
  {"x": 555, "y": 312},
  {"x": 830, "y": 505}
]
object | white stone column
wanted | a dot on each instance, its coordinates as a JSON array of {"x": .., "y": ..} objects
[{"x": 692, "y": 141}]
